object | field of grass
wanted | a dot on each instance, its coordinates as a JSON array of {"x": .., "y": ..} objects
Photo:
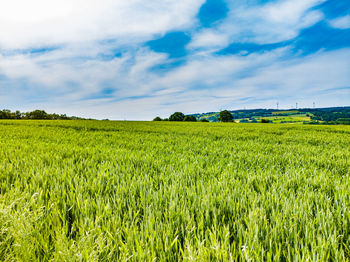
[
  {"x": 298, "y": 118},
  {"x": 285, "y": 112},
  {"x": 164, "y": 191}
]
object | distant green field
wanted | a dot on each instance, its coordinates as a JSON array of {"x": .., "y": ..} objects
[
  {"x": 278, "y": 117},
  {"x": 285, "y": 112},
  {"x": 299, "y": 118},
  {"x": 165, "y": 191}
]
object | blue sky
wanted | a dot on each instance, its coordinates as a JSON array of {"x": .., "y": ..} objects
[{"x": 137, "y": 59}]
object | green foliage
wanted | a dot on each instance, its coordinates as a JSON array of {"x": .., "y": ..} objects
[
  {"x": 345, "y": 121},
  {"x": 307, "y": 115},
  {"x": 167, "y": 191},
  {"x": 225, "y": 116},
  {"x": 331, "y": 114},
  {"x": 7, "y": 114},
  {"x": 177, "y": 116},
  {"x": 190, "y": 119},
  {"x": 157, "y": 119},
  {"x": 204, "y": 120},
  {"x": 36, "y": 115}
]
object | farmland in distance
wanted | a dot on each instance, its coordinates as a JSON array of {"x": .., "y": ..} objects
[{"x": 165, "y": 191}]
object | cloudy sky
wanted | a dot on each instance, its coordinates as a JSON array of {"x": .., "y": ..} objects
[{"x": 135, "y": 59}]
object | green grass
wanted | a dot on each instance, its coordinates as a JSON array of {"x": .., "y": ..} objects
[
  {"x": 163, "y": 191},
  {"x": 285, "y": 112},
  {"x": 289, "y": 119}
]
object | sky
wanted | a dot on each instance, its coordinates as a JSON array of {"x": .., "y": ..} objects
[{"x": 137, "y": 59}]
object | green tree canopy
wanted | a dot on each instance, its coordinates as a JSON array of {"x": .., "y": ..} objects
[
  {"x": 157, "y": 119},
  {"x": 177, "y": 116},
  {"x": 225, "y": 116},
  {"x": 190, "y": 119},
  {"x": 38, "y": 114}
]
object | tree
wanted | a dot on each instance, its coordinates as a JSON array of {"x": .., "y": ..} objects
[
  {"x": 177, "y": 116},
  {"x": 18, "y": 114},
  {"x": 263, "y": 120},
  {"x": 225, "y": 116},
  {"x": 157, "y": 119},
  {"x": 190, "y": 119},
  {"x": 204, "y": 120},
  {"x": 38, "y": 114}
]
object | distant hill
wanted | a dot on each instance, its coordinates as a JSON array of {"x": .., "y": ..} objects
[{"x": 331, "y": 115}]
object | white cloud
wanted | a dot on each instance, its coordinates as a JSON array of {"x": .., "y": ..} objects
[
  {"x": 276, "y": 21},
  {"x": 204, "y": 83},
  {"x": 263, "y": 24},
  {"x": 209, "y": 38},
  {"x": 303, "y": 75},
  {"x": 287, "y": 11},
  {"x": 78, "y": 79},
  {"x": 341, "y": 22},
  {"x": 24, "y": 24}
]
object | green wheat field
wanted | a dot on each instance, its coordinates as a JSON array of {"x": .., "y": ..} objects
[{"x": 165, "y": 191}]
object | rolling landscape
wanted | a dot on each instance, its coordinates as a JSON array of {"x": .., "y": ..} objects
[
  {"x": 332, "y": 115},
  {"x": 177, "y": 130}
]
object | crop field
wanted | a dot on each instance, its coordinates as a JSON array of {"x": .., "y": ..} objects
[
  {"x": 286, "y": 112},
  {"x": 298, "y": 118},
  {"x": 166, "y": 191}
]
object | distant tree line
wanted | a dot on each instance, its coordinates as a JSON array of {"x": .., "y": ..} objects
[
  {"x": 331, "y": 115},
  {"x": 225, "y": 116},
  {"x": 36, "y": 114},
  {"x": 178, "y": 117}
]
